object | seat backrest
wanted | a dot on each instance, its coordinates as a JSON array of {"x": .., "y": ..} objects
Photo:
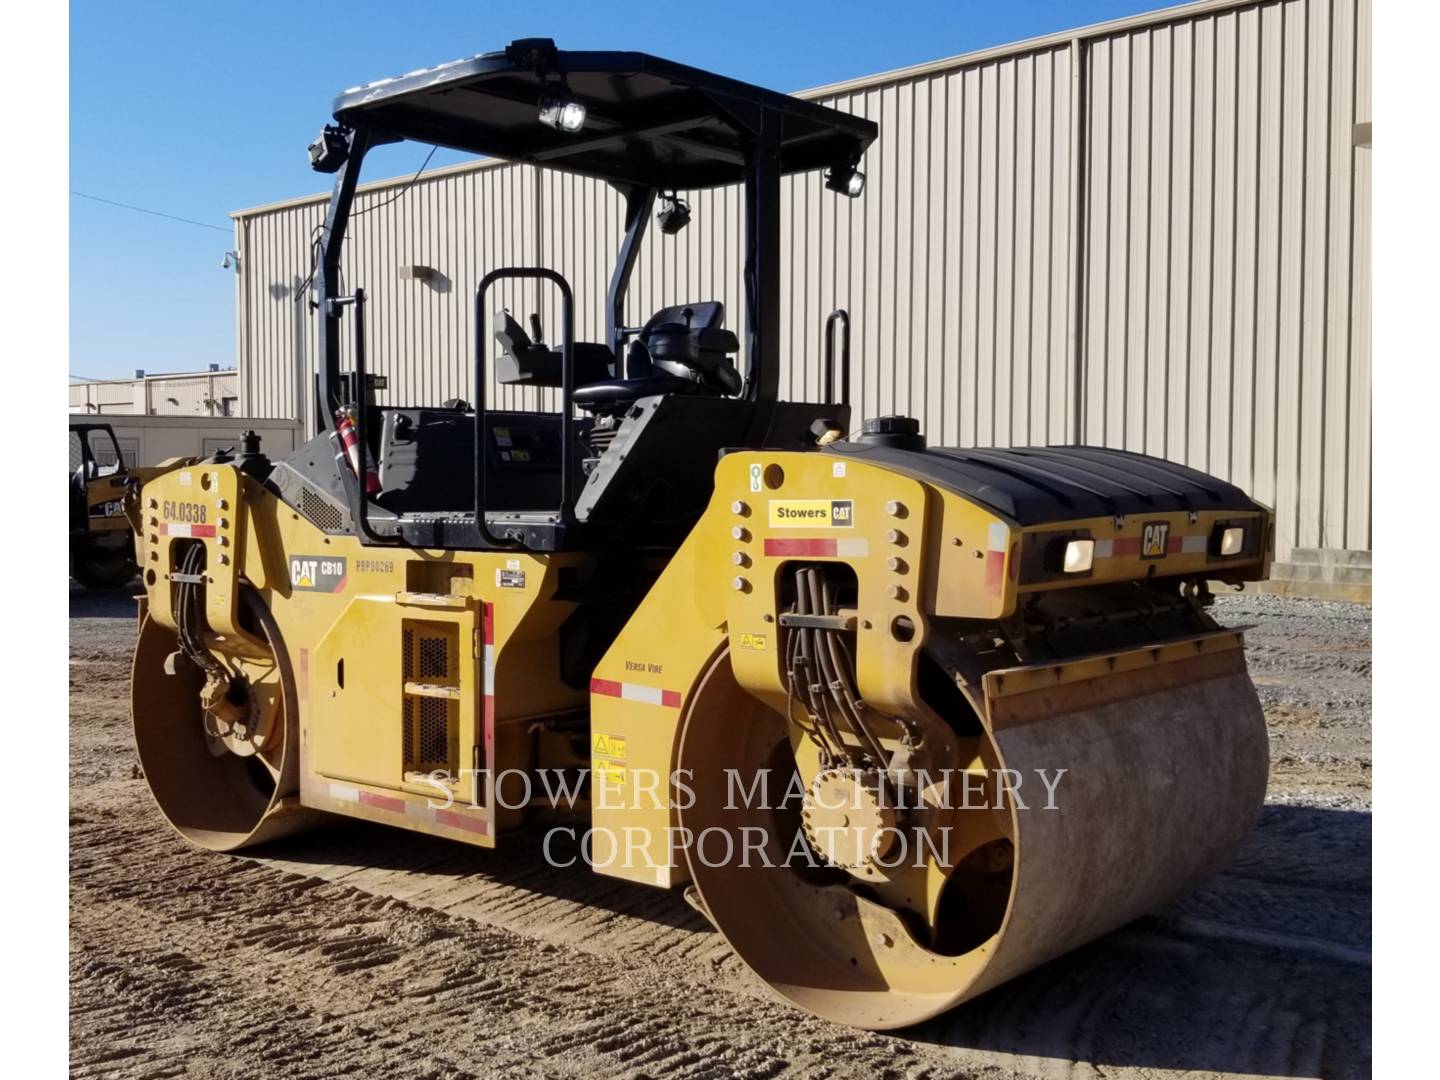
[{"x": 704, "y": 313}]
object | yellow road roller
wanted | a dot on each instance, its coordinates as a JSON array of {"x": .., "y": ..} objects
[{"x": 903, "y": 721}]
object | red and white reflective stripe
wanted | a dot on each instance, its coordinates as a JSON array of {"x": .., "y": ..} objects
[
  {"x": 460, "y": 816},
  {"x": 649, "y": 695},
  {"x": 488, "y": 668},
  {"x": 462, "y": 819},
  {"x": 817, "y": 548},
  {"x": 183, "y": 529},
  {"x": 1129, "y": 546},
  {"x": 996, "y": 548}
]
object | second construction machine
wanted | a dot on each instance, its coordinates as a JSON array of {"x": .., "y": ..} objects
[{"x": 905, "y": 721}]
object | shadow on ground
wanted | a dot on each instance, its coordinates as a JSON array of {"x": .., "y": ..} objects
[
  {"x": 1264, "y": 970},
  {"x": 103, "y": 603}
]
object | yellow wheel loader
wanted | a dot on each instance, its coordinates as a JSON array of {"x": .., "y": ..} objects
[
  {"x": 102, "y": 547},
  {"x": 903, "y": 721}
]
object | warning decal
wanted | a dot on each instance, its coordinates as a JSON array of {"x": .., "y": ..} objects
[{"x": 610, "y": 746}]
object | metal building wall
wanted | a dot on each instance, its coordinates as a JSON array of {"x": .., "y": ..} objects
[
  {"x": 177, "y": 394},
  {"x": 1153, "y": 233}
]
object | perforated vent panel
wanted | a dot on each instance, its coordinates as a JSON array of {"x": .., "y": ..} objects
[
  {"x": 434, "y": 661},
  {"x": 433, "y": 741},
  {"x": 431, "y": 723},
  {"x": 320, "y": 511}
]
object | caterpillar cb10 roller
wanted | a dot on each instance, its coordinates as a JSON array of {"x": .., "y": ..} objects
[{"x": 902, "y": 721}]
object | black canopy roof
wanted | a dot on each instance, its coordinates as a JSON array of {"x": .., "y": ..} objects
[{"x": 649, "y": 122}]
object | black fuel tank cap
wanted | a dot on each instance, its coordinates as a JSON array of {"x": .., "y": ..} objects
[{"x": 901, "y": 432}]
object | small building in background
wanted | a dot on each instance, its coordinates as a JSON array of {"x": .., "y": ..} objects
[{"x": 215, "y": 392}]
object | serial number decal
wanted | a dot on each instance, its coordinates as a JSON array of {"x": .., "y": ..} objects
[
  {"x": 812, "y": 513},
  {"x": 191, "y": 513},
  {"x": 371, "y": 566},
  {"x": 313, "y": 573}
]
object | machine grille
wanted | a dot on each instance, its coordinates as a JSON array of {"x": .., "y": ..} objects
[
  {"x": 434, "y": 661},
  {"x": 320, "y": 511},
  {"x": 433, "y": 745},
  {"x": 431, "y": 724}
]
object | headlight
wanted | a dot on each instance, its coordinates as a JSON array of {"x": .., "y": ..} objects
[
  {"x": 566, "y": 116},
  {"x": 1232, "y": 541},
  {"x": 1079, "y": 556}
]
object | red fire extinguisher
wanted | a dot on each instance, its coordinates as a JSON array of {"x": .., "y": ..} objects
[{"x": 345, "y": 428}]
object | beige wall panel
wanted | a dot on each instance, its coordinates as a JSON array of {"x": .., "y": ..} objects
[{"x": 1191, "y": 279}]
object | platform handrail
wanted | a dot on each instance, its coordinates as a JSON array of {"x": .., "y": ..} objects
[
  {"x": 567, "y": 392},
  {"x": 841, "y": 316}
]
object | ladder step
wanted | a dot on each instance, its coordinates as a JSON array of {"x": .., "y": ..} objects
[
  {"x": 433, "y": 600},
  {"x": 420, "y": 689}
]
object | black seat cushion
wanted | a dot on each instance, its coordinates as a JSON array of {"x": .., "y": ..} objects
[{"x": 608, "y": 393}]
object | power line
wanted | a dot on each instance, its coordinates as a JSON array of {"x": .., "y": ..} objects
[
  {"x": 408, "y": 185},
  {"x": 315, "y": 248},
  {"x": 155, "y": 213}
]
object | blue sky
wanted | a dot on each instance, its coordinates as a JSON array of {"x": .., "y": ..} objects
[{"x": 199, "y": 109}]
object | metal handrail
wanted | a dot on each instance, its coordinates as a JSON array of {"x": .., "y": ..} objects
[
  {"x": 567, "y": 391},
  {"x": 359, "y": 389},
  {"x": 841, "y": 316}
]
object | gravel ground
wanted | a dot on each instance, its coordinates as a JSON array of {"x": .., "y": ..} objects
[{"x": 371, "y": 951}]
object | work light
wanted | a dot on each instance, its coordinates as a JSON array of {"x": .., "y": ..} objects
[
  {"x": 566, "y": 116},
  {"x": 674, "y": 214},
  {"x": 1232, "y": 540},
  {"x": 846, "y": 180},
  {"x": 1079, "y": 556}
]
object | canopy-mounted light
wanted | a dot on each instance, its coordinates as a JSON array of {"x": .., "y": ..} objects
[
  {"x": 845, "y": 180},
  {"x": 330, "y": 149},
  {"x": 673, "y": 215},
  {"x": 562, "y": 115}
]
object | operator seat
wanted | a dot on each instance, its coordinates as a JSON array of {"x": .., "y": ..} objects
[{"x": 680, "y": 350}]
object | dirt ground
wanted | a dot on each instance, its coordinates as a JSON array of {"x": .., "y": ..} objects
[{"x": 368, "y": 951}]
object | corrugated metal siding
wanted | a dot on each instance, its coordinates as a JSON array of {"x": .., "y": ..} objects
[
  {"x": 1154, "y": 235},
  {"x": 1227, "y": 243}
]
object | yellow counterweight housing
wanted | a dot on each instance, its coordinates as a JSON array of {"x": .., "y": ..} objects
[{"x": 1056, "y": 753}]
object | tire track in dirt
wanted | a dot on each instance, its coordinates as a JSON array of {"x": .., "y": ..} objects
[
  {"x": 362, "y": 950},
  {"x": 245, "y": 968}
]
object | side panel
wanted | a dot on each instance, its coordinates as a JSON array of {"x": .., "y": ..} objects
[
  {"x": 405, "y": 661},
  {"x": 637, "y": 700}
]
